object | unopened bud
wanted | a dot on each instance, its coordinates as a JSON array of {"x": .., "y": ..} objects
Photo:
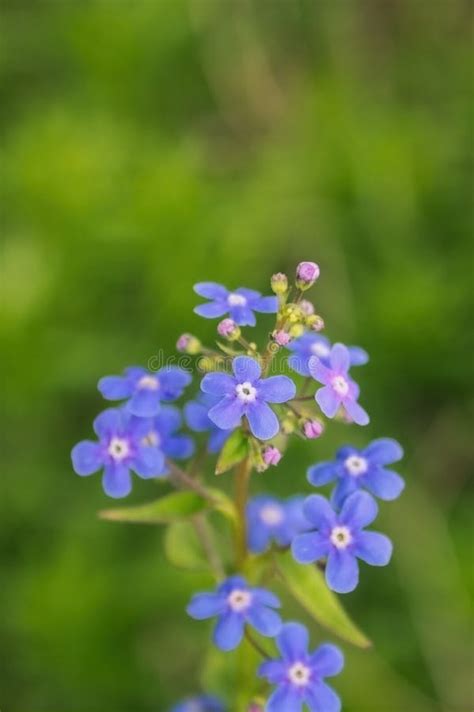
[
  {"x": 306, "y": 307},
  {"x": 296, "y": 330},
  {"x": 313, "y": 429},
  {"x": 189, "y": 344},
  {"x": 315, "y": 322},
  {"x": 279, "y": 283},
  {"x": 282, "y": 338},
  {"x": 271, "y": 455},
  {"x": 228, "y": 329},
  {"x": 306, "y": 274}
]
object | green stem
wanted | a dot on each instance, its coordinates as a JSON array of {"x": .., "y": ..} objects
[
  {"x": 242, "y": 476},
  {"x": 255, "y": 644}
]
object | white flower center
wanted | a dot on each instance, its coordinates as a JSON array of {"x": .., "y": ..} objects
[
  {"x": 271, "y": 514},
  {"x": 341, "y": 537},
  {"x": 340, "y": 385},
  {"x": 152, "y": 439},
  {"x": 236, "y": 300},
  {"x": 149, "y": 382},
  {"x": 299, "y": 674},
  {"x": 320, "y": 350},
  {"x": 118, "y": 449},
  {"x": 356, "y": 465},
  {"x": 246, "y": 392},
  {"x": 239, "y": 600}
]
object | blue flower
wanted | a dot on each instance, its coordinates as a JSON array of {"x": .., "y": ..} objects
[
  {"x": 161, "y": 432},
  {"x": 299, "y": 675},
  {"x": 341, "y": 539},
  {"x": 120, "y": 449},
  {"x": 270, "y": 519},
  {"x": 202, "y": 703},
  {"x": 339, "y": 389},
  {"x": 354, "y": 469},
  {"x": 239, "y": 304},
  {"x": 246, "y": 394},
  {"x": 236, "y": 604},
  {"x": 196, "y": 415},
  {"x": 145, "y": 389},
  {"x": 310, "y": 344}
]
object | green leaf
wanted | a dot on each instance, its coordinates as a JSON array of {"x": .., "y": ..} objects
[
  {"x": 183, "y": 548},
  {"x": 234, "y": 451},
  {"x": 222, "y": 503},
  {"x": 307, "y": 585},
  {"x": 177, "y": 505}
]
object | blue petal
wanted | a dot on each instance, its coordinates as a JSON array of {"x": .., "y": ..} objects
[
  {"x": 148, "y": 462},
  {"x": 310, "y": 547},
  {"x": 227, "y": 413},
  {"x": 328, "y": 401},
  {"x": 356, "y": 412},
  {"x": 384, "y": 451},
  {"x": 263, "y": 422},
  {"x": 86, "y": 457},
  {"x": 275, "y": 671},
  {"x": 218, "y": 384},
  {"x": 229, "y": 631},
  {"x": 243, "y": 316},
  {"x": 327, "y": 660},
  {"x": 115, "y": 387},
  {"x": 284, "y": 699},
  {"x": 319, "y": 512},
  {"x": 168, "y": 420},
  {"x": 144, "y": 403},
  {"x": 265, "y": 620},
  {"x": 109, "y": 422},
  {"x": 206, "y": 605},
  {"x": 358, "y": 510},
  {"x": 211, "y": 310},
  {"x": 383, "y": 483},
  {"x": 179, "y": 447},
  {"x": 265, "y": 305},
  {"x": 117, "y": 481},
  {"x": 323, "y": 473},
  {"x": 322, "y": 698},
  {"x": 343, "y": 489},
  {"x": 340, "y": 358},
  {"x": 246, "y": 369},
  {"x": 373, "y": 548},
  {"x": 318, "y": 370},
  {"x": 265, "y": 597},
  {"x": 276, "y": 389},
  {"x": 249, "y": 294},
  {"x": 358, "y": 356},
  {"x": 299, "y": 364},
  {"x": 292, "y": 641},
  {"x": 217, "y": 439},
  {"x": 258, "y": 536},
  {"x": 342, "y": 571},
  {"x": 173, "y": 381},
  {"x": 211, "y": 290},
  {"x": 196, "y": 416},
  {"x": 233, "y": 582}
]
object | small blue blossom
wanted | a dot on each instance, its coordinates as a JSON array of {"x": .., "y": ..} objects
[
  {"x": 299, "y": 675},
  {"x": 239, "y": 304},
  {"x": 311, "y": 344},
  {"x": 270, "y": 519},
  {"x": 339, "y": 389},
  {"x": 202, "y": 703},
  {"x": 236, "y": 604},
  {"x": 246, "y": 394},
  {"x": 354, "y": 469},
  {"x": 121, "y": 448},
  {"x": 196, "y": 415},
  {"x": 144, "y": 390},
  {"x": 161, "y": 432},
  {"x": 341, "y": 539}
]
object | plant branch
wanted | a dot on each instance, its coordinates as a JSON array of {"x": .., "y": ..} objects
[
  {"x": 242, "y": 476},
  {"x": 255, "y": 644}
]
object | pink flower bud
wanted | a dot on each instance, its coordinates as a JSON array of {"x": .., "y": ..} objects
[
  {"x": 306, "y": 274},
  {"x": 315, "y": 322},
  {"x": 188, "y": 344},
  {"x": 313, "y": 429},
  {"x": 282, "y": 338},
  {"x": 306, "y": 307},
  {"x": 279, "y": 283},
  {"x": 271, "y": 455},
  {"x": 228, "y": 329}
]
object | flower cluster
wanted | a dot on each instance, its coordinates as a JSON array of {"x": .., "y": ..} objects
[{"x": 247, "y": 409}]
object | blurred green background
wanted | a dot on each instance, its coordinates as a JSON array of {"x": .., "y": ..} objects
[{"x": 151, "y": 144}]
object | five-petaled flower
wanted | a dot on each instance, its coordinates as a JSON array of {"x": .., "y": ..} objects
[
  {"x": 270, "y": 519},
  {"x": 144, "y": 390},
  {"x": 340, "y": 537},
  {"x": 121, "y": 448},
  {"x": 196, "y": 415},
  {"x": 311, "y": 344},
  {"x": 247, "y": 394},
  {"x": 339, "y": 389},
  {"x": 361, "y": 469},
  {"x": 236, "y": 604},
  {"x": 299, "y": 675},
  {"x": 201, "y": 703},
  {"x": 239, "y": 304}
]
